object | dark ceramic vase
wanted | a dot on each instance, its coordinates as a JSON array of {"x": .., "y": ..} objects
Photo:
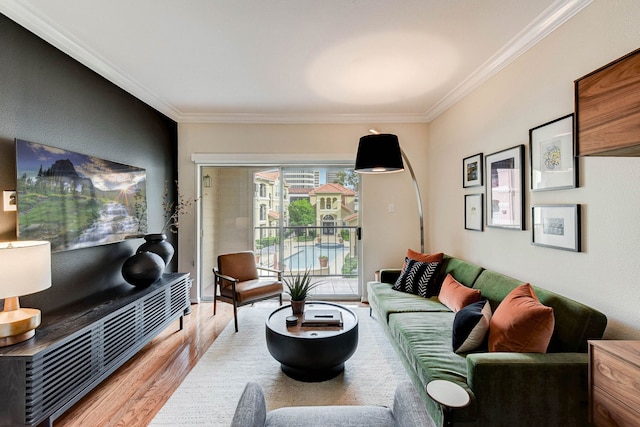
[
  {"x": 143, "y": 269},
  {"x": 157, "y": 243}
]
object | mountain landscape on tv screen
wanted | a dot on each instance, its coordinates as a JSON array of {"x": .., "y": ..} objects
[{"x": 75, "y": 200}]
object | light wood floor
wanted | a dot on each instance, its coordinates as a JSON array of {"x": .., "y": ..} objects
[{"x": 133, "y": 394}]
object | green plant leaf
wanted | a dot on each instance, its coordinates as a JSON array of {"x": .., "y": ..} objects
[{"x": 299, "y": 285}]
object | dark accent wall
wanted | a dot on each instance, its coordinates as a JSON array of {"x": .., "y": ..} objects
[{"x": 49, "y": 98}]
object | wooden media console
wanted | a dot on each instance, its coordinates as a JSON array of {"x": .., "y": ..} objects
[{"x": 77, "y": 348}]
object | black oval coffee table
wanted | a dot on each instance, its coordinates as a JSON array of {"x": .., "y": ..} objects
[{"x": 312, "y": 353}]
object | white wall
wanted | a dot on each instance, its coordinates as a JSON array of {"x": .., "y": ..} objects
[
  {"x": 537, "y": 88},
  {"x": 386, "y": 236}
]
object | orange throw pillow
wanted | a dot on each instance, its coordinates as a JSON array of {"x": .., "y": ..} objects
[
  {"x": 521, "y": 323},
  {"x": 457, "y": 296},
  {"x": 425, "y": 257}
]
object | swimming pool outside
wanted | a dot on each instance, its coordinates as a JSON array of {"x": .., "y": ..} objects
[{"x": 307, "y": 257}]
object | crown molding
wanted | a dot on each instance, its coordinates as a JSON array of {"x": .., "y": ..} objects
[
  {"x": 548, "y": 21},
  {"x": 301, "y": 118}
]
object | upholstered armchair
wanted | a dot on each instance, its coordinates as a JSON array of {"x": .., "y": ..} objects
[
  {"x": 408, "y": 411},
  {"x": 237, "y": 282}
]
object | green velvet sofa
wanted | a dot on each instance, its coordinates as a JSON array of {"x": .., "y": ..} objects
[{"x": 506, "y": 389}]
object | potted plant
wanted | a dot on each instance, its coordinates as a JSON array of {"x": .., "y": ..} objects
[
  {"x": 324, "y": 260},
  {"x": 298, "y": 287}
]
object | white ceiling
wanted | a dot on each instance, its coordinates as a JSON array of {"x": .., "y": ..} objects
[{"x": 294, "y": 61}]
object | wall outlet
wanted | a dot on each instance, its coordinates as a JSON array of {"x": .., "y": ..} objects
[{"x": 9, "y": 201}]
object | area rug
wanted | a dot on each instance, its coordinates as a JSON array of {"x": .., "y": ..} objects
[{"x": 209, "y": 394}]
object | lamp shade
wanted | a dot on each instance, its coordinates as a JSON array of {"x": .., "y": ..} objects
[
  {"x": 25, "y": 267},
  {"x": 379, "y": 154}
]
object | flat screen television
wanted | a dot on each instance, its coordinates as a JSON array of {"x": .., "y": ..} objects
[{"x": 76, "y": 201}]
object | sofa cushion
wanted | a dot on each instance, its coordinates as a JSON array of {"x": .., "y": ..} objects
[
  {"x": 455, "y": 295},
  {"x": 424, "y": 338},
  {"x": 417, "y": 278},
  {"x": 465, "y": 272},
  {"x": 470, "y": 327},
  {"x": 386, "y": 300},
  {"x": 521, "y": 323}
]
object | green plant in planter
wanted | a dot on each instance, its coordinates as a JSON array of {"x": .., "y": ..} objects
[{"x": 299, "y": 285}]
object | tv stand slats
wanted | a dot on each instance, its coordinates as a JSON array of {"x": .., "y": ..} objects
[{"x": 77, "y": 348}]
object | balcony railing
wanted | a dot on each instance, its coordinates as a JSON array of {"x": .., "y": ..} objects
[{"x": 323, "y": 251}]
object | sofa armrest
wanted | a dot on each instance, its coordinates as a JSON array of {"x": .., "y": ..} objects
[
  {"x": 389, "y": 275},
  {"x": 530, "y": 388},
  {"x": 252, "y": 408},
  {"x": 409, "y": 410}
]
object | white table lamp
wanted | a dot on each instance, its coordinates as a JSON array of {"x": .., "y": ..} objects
[{"x": 25, "y": 268}]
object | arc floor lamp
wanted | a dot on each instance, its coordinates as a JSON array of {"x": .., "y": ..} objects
[{"x": 381, "y": 153}]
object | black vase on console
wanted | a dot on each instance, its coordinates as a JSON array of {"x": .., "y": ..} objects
[
  {"x": 143, "y": 269},
  {"x": 157, "y": 243}
]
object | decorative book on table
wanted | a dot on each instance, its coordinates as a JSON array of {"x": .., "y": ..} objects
[{"x": 313, "y": 317}]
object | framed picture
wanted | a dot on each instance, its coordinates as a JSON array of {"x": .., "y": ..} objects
[
  {"x": 74, "y": 200},
  {"x": 472, "y": 171},
  {"x": 553, "y": 161},
  {"x": 473, "y": 212},
  {"x": 505, "y": 187},
  {"x": 556, "y": 226}
]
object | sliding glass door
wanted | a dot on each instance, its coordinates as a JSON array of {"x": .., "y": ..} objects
[{"x": 295, "y": 219}]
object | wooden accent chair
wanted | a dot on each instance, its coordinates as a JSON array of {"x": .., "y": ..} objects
[{"x": 237, "y": 282}]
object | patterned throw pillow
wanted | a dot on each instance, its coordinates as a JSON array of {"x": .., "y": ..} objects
[
  {"x": 417, "y": 278},
  {"x": 471, "y": 326}
]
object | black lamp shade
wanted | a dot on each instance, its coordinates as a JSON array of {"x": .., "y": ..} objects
[{"x": 379, "y": 154}]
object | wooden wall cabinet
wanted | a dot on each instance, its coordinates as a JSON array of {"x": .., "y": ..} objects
[
  {"x": 77, "y": 348},
  {"x": 608, "y": 109},
  {"x": 614, "y": 383}
]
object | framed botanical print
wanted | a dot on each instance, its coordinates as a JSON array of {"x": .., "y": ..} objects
[
  {"x": 556, "y": 226},
  {"x": 505, "y": 187},
  {"x": 473, "y": 212},
  {"x": 472, "y": 171},
  {"x": 552, "y": 153}
]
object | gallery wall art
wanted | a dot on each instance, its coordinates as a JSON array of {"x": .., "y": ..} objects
[
  {"x": 472, "y": 171},
  {"x": 553, "y": 162},
  {"x": 505, "y": 187},
  {"x": 556, "y": 226}
]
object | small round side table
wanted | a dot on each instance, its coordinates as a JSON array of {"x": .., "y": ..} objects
[{"x": 449, "y": 395}]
